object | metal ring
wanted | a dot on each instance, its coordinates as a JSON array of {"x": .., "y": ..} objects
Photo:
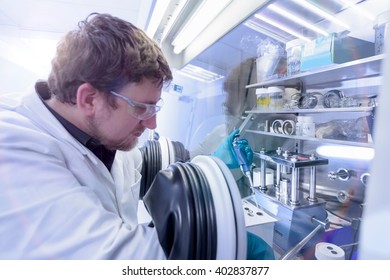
[
  {"x": 332, "y": 98},
  {"x": 288, "y": 127},
  {"x": 307, "y": 101},
  {"x": 277, "y": 126}
]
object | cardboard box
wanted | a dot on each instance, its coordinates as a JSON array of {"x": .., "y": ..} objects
[{"x": 331, "y": 49}]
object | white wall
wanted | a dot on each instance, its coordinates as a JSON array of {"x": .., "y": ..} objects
[
  {"x": 23, "y": 60},
  {"x": 15, "y": 78}
]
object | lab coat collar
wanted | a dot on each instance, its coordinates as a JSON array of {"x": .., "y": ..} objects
[{"x": 35, "y": 109}]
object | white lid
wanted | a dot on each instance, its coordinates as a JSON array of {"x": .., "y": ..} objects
[
  {"x": 294, "y": 43},
  {"x": 307, "y": 119},
  {"x": 267, "y": 171},
  {"x": 260, "y": 91},
  {"x": 329, "y": 251},
  {"x": 382, "y": 18},
  {"x": 275, "y": 89}
]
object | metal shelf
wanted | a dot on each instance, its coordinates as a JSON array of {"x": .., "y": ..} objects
[
  {"x": 311, "y": 111},
  {"x": 316, "y": 78},
  {"x": 293, "y": 160},
  {"x": 339, "y": 142}
]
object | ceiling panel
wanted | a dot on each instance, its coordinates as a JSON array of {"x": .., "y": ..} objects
[
  {"x": 30, "y": 29},
  {"x": 61, "y": 16}
]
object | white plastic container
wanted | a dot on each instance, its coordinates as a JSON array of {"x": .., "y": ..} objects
[
  {"x": 269, "y": 177},
  {"x": 276, "y": 98},
  {"x": 381, "y": 27},
  {"x": 329, "y": 251},
  {"x": 294, "y": 54},
  {"x": 298, "y": 126},
  {"x": 308, "y": 127}
]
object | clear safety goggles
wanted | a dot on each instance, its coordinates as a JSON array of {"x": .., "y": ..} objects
[{"x": 140, "y": 110}]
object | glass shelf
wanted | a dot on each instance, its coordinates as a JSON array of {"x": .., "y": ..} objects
[{"x": 334, "y": 141}]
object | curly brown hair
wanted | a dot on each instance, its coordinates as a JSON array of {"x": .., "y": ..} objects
[{"x": 108, "y": 53}]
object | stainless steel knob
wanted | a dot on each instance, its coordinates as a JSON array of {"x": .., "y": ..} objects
[
  {"x": 342, "y": 174},
  {"x": 364, "y": 178},
  {"x": 343, "y": 196}
]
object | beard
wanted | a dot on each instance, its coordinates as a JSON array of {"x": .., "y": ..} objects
[{"x": 125, "y": 144}]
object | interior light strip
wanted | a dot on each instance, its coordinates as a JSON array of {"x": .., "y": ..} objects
[
  {"x": 321, "y": 13},
  {"x": 282, "y": 27},
  {"x": 358, "y": 9},
  {"x": 346, "y": 152},
  {"x": 254, "y": 26},
  {"x": 173, "y": 18},
  {"x": 202, "y": 17},
  {"x": 296, "y": 19},
  {"x": 158, "y": 13},
  {"x": 199, "y": 73}
]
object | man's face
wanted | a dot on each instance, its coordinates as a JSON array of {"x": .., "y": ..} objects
[{"x": 118, "y": 129}]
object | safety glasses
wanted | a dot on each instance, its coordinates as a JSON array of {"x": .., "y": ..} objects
[{"x": 139, "y": 110}]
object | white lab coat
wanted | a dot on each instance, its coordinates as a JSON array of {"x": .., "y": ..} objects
[{"x": 57, "y": 200}]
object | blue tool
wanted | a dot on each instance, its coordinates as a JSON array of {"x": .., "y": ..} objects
[
  {"x": 241, "y": 151},
  {"x": 244, "y": 157}
]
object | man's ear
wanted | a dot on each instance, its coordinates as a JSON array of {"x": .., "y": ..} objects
[{"x": 87, "y": 98}]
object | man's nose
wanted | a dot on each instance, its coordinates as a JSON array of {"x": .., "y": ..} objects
[{"x": 150, "y": 123}]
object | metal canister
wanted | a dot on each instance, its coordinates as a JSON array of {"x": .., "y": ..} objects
[{"x": 284, "y": 187}]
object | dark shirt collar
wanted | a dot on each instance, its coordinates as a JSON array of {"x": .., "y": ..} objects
[{"x": 105, "y": 155}]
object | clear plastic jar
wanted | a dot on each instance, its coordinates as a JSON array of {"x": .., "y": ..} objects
[
  {"x": 263, "y": 99},
  {"x": 276, "y": 98},
  {"x": 294, "y": 53}
]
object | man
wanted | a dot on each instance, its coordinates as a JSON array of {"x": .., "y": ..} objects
[
  {"x": 70, "y": 171},
  {"x": 69, "y": 177}
]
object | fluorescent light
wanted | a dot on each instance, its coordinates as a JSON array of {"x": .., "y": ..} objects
[
  {"x": 296, "y": 19},
  {"x": 158, "y": 12},
  {"x": 173, "y": 18},
  {"x": 254, "y": 26},
  {"x": 321, "y": 13},
  {"x": 199, "y": 74},
  {"x": 358, "y": 9},
  {"x": 207, "y": 11},
  {"x": 282, "y": 27},
  {"x": 347, "y": 152}
]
